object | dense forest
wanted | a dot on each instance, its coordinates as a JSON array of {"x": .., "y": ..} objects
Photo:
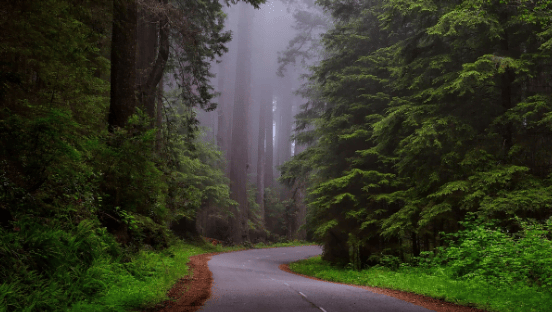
[
  {"x": 376, "y": 128},
  {"x": 422, "y": 114}
]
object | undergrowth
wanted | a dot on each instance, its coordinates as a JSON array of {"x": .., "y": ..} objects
[
  {"x": 51, "y": 268},
  {"x": 290, "y": 243},
  {"x": 482, "y": 266}
]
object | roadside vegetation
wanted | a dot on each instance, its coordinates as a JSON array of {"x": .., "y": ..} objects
[
  {"x": 106, "y": 279},
  {"x": 481, "y": 266}
]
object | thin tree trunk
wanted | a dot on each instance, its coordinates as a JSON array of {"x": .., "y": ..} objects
[
  {"x": 261, "y": 154},
  {"x": 123, "y": 63},
  {"x": 269, "y": 136}
]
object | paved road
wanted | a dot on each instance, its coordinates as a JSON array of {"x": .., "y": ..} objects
[{"x": 251, "y": 281}]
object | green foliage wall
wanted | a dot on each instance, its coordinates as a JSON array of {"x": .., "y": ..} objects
[
  {"x": 72, "y": 193},
  {"x": 422, "y": 112}
]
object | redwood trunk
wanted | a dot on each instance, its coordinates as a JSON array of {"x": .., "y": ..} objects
[
  {"x": 123, "y": 62},
  {"x": 261, "y": 154},
  {"x": 269, "y": 135},
  {"x": 239, "y": 147},
  {"x": 146, "y": 48}
]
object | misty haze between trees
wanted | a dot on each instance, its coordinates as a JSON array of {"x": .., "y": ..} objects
[{"x": 374, "y": 128}]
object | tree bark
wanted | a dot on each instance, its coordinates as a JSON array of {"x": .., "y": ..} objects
[
  {"x": 147, "y": 50},
  {"x": 159, "y": 115},
  {"x": 123, "y": 63},
  {"x": 284, "y": 134},
  {"x": 239, "y": 152},
  {"x": 148, "y": 88},
  {"x": 264, "y": 103}
]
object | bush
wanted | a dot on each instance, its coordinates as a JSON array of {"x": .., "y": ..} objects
[
  {"x": 484, "y": 252},
  {"x": 45, "y": 267}
]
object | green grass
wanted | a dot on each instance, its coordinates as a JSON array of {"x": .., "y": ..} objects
[
  {"x": 434, "y": 283},
  {"x": 144, "y": 281},
  {"x": 84, "y": 271},
  {"x": 293, "y": 243}
]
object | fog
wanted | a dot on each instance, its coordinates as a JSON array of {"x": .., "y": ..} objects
[{"x": 271, "y": 30}]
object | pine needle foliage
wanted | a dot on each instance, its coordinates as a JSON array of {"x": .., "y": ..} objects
[{"x": 426, "y": 111}]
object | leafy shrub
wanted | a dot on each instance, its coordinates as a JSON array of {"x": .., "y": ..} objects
[
  {"x": 45, "y": 267},
  {"x": 484, "y": 252}
]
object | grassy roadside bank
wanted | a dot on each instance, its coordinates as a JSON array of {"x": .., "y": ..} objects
[
  {"x": 144, "y": 282},
  {"x": 89, "y": 271},
  {"x": 433, "y": 283}
]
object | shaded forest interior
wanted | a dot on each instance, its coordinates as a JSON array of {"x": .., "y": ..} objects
[{"x": 374, "y": 128}]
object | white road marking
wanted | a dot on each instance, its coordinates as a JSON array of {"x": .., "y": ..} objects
[
  {"x": 286, "y": 284},
  {"x": 302, "y": 294},
  {"x": 323, "y": 310}
]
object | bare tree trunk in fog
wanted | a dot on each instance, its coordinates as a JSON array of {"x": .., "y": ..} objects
[
  {"x": 239, "y": 152},
  {"x": 266, "y": 100},
  {"x": 269, "y": 136},
  {"x": 278, "y": 123},
  {"x": 224, "y": 109},
  {"x": 123, "y": 62},
  {"x": 285, "y": 107}
]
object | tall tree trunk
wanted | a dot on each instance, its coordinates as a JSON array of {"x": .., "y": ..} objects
[
  {"x": 147, "y": 49},
  {"x": 239, "y": 152},
  {"x": 277, "y": 129},
  {"x": 123, "y": 62},
  {"x": 284, "y": 133},
  {"x": 149, "y": 86},
  {"x": 159, "y": 115},
  {"x": 224, "y": 109},
  {"x": 264, "y": 102},
  {"x": 269, "y": 137},
  {"x": 301, "y": 210},
  {"x": 225, "y": 103}
]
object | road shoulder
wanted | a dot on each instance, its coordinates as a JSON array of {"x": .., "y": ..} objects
[{"x": 419, "y": 300}]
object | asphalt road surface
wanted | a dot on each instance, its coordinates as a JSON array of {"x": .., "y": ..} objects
[{"x": 251, "y": 281}]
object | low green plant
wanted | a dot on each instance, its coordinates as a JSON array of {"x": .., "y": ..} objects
[
  {"x": 481, "y": 266},
  {"x": 433, "y": 283},
  {"x": 291, "y": 243},
  {"x": 144, "y": 281},
  {"x": 487, "y": 253}
]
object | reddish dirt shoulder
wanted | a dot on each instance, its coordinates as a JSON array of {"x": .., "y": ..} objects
[
  {"x": 419, "y": 300},
  {"x": 190, "y": 292}
]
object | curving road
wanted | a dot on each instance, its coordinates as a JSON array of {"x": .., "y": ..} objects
[{"x": 251, "y": 281}]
